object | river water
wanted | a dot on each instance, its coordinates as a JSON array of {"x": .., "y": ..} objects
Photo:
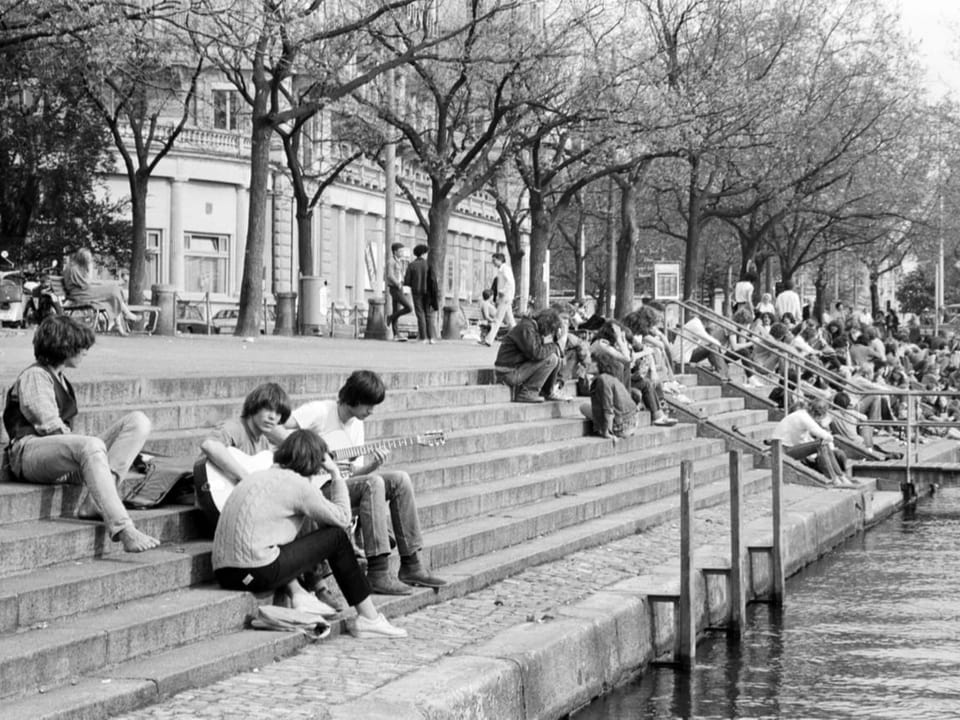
[{"x": 871, "y": 631}]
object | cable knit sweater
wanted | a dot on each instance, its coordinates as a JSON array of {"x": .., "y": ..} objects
[{"x": 267, "y": 510}]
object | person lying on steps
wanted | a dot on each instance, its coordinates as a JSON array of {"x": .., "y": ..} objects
[
  {"x": 381, "y": 498},
  {"x": 37, "y": 416},
  {"x": 277, "y": 525}
]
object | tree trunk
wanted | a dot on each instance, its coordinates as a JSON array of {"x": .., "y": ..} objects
[
  {"x": 626, "y": 250},
  {"x": 251, "y": 287},
  {"x": 439, "y": 217},
  {"x": 539, "y": 241},
  {"x": 139, "y": 184},
  {"x": 305, "y": 237},
  {"x": 874, "y": 293}
]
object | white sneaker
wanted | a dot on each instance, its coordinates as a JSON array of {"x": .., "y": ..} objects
[
  {"x": 310, "y": 603},
  {"x": 380, "y": 627},
  {"x": 754, "y": 381}
]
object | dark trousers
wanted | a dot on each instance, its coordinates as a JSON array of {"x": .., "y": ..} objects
[
  {"x": 425, "y": 330},
  {"x": 300, "y": 556},
  {"x": 401, "y": 307}
]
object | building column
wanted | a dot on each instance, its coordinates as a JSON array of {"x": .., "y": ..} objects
[
  {"x": 281, "y": 239},
  {"x": 177, "y": 270}
]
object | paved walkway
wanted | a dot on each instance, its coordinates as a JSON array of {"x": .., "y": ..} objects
[{"x": 154, "y": 356}]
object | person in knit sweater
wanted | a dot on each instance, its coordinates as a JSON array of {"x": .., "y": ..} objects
[{"x": 277, "y": 524}]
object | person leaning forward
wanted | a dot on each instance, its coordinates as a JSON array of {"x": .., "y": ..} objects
[
  {"x": 379, "y": 497},
  {"x": 529, "y": 357}
]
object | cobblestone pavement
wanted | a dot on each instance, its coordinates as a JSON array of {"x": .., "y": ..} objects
[{"x": 337, "y": 671}]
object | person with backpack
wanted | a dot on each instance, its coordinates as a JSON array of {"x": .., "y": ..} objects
[{"x": 277, "y": 524}]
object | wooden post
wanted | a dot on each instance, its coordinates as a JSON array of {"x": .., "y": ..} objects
[
  {"x": 776, "y": 592},
  {"x": 686, "y": 628},
  {"x": 736, "y": 598}
]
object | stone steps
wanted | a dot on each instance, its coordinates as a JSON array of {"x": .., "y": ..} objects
[{"x": 513, "y": 485}]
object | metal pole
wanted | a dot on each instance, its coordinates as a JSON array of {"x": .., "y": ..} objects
[
  {"x": 736, "y": 599},
  {"x": 776, "y": 560},
  {"x": 687, "y": 645},
  {"x": 389, "y": 209},
  {"x": 910, "y": 417}
]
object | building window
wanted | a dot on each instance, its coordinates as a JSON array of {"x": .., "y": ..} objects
[
  {"x": 226, "y": 109},
  {"x": 205, "y": 259},
  {"x": 152, "y": 275}
]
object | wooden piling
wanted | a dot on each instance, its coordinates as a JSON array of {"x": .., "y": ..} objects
[
  {"x": 776, "y": 550},
  {"x": 686, "y": 628},
  {"x": 736, "y": 598}
]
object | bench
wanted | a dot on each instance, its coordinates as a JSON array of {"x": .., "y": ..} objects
[{"x": 95, "y": 316}]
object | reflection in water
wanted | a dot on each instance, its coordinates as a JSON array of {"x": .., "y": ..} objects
[{"x": 872, "y": 631}]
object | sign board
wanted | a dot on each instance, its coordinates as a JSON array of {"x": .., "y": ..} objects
[{"x": 666, "y": 286}]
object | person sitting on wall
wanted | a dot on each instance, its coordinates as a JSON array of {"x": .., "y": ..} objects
[
  {"x": 83, "y": 288},
  {"x": 39, "y": 410},
  {"x": 805, "y": 437},
  {"x": 529, "y": 357}
]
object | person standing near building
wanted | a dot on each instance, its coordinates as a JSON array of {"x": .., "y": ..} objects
[
  {"x": 394, "y": 276},
  {"x": 423, "y": 287},
  {"x": 506, "y": 288},
  {"x": 789, "y": 302}
]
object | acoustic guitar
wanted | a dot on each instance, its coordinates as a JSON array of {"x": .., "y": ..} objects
[{"x": 220, "y": 486}]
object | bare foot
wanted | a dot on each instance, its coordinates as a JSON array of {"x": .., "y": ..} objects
[{"x": 135, "y": 541}]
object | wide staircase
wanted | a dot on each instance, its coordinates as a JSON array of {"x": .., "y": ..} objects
[{"x": 88, "y": 631}]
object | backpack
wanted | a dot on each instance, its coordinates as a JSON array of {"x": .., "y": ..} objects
[
  {"x": 164, "y": 478},
  {"x": 274, "y": 617}
]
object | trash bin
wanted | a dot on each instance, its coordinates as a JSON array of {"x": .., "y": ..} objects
[{"x": 312, "y": 311}]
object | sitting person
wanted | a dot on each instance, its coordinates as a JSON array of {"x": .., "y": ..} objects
[
  {"x": 766, "y": 306},
  {"x": 83, "y": 288},
  {"x": 276, "y": 525},
  {"x": 381, "y": 498},
  {"x": 264, "y": 409},
  {"x": 643, "y": 375},
  {"x": 574, "y": 351},
  {"x": 37, "y": 416},
  {"x": 805, "y": 437},
  {"x": 488, "y": 312},
  {"x": 529, "y": 357},
  {"x": 612, "y": 407}
]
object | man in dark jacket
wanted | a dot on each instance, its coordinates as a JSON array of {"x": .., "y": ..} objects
[
  {"x": 423, "y": 288},
  {"x": 529, "y": 357}
]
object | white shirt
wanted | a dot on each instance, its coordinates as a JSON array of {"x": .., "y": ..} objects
[
  {"x": 789, "y": 302},
  {"x": 506, "y": 285},
  {"x": 798, "y": 427},
  {"x": 321, "y": 417}
]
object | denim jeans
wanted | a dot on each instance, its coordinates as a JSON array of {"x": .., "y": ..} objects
[
  {"x": 425, "y": 319},
  {"x": 504, "y": 315},
  {"x": 534, "y": 376},
  {"x": 371, "y": 496},
  {"x": 401, "y": 306},
  {"x": 97, "y": 462}
]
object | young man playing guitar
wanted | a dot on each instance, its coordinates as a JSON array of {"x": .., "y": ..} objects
[
  {"x": 376, "y": 495},
  {"x": 255, "y": 434}
]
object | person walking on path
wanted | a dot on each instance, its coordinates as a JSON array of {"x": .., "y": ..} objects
[
  {"x": 37, "y": 416},
  {"x": 423, "y": 287},
  {"x": 506, "y": 288},
  {"x": 277, "y": 525},
  {"x": 395, "y": 274}
]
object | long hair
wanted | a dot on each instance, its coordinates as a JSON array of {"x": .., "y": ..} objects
[
  {"x": 83, "y": 260},
  {"x": 363, "y": 387},
  {"x": 270, "y": 396}
]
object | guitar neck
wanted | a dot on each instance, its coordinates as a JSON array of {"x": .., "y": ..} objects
[{"x": 352, "y": 452}]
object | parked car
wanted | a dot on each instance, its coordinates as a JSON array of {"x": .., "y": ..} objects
[
  {"x": 12, "y": 298},
  {"x": 190, "y": 321},
  {"x": 226, "y": 320}
]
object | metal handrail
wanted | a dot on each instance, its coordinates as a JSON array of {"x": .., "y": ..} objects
[{"x": 789, "y": 358}]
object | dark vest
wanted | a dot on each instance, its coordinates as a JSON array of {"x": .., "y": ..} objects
[{"x": 17, "y": 425}]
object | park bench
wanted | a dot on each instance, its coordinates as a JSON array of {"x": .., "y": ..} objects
[{"x": 95, "y": 316}]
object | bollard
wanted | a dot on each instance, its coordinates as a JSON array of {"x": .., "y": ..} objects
[
  {"x": 285, "y": 313},
  {"x": 376, "y": 320},
  {"x": 165, "y": 298},
  {"x": 451, "y": 323}
]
